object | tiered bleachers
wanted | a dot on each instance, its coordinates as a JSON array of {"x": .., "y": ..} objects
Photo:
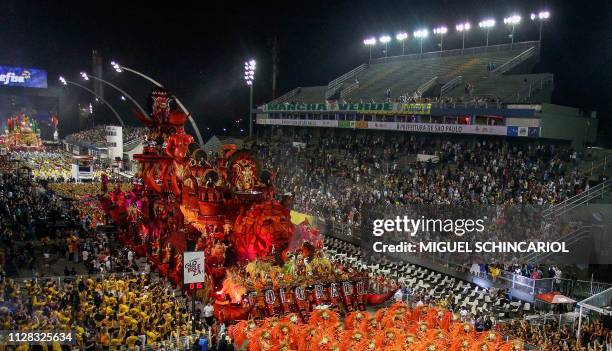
[
  {"x": 512, "y": 88},
  {"x": 310, "y": 94},
  {"x": 403, "y": 75}
]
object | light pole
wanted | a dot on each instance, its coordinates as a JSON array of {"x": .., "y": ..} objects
[
  {"x": 385, "y": 39},
  {"x": 86, "y": 76},
  {"x": 65, "y": 82},
  {"x": 370, "y": 42},
  {"x": 441, "y": 31},
  {"x": 249, "y": 77},
  {"x": 463, "y": 28},
  {"x": 487, "y": 25},
  {"x": 513, "y": 21},
  {"x": 118, "y": 68},
  {"x": 421, "y": 34},
  {"x": 542, "y": 16},
  {"x": 401, "y": 37}
]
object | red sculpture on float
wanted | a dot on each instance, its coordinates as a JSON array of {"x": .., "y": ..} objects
[{"x": 183, "y": 199}]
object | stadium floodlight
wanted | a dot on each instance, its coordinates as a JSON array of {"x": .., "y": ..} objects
[
  {"x": 512, "y": 21},
  {"x": 541, "y": 16},
  {"x": 369, "y": 42},
  {"x": 116, "y": 67},
  {"x": 463, "y": 28},
  {"x": 421, "y": 34},
  {"x": 401, "y": 37},
  {"x": 385, "y": 39},
  {"x": 441, "y": 31},
  {"x": 65, "y": 82},
  {"x": 487, "y": 25},
  {"x": 249, "y": 77}
]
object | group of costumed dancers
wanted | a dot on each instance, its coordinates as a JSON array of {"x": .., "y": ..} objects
[{"x": 395, "y": 328}]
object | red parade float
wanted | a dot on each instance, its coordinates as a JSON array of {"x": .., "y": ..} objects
[{"x": 258, "y": 263}]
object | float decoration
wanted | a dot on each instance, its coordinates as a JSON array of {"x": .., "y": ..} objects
[{"x": 258, "y": 263}]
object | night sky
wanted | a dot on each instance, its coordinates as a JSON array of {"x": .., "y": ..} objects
[{"x": 198, "y": 51}]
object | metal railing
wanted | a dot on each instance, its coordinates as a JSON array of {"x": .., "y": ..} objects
[
  {"x": 598, "y": 191},
  {"x": 534, "y": 87},
  {"x": 570, "y": 287},
  {"x": 348, "y": 75},
  {"x": 450, "y": 85},
  {"x": 568, "y": 239},
  {"x": 513, "y": 62},
  {"x": 132, "y": 143},
  {"x": 426, "y": 86},
  {"x": 286, "y": 96},
  {"x": 599, "y": 302},
  {"x": 348, "y": 89},
  {"x": 459, "y": 52}
]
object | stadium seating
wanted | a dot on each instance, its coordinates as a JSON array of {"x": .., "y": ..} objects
[
  {"x": 403, "y": 75},
  {"x": 509, "y": 88},
  {"x": 410, "y": 74}
]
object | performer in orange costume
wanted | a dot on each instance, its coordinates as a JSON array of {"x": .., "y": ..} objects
[
  {"x": 389, "y": 337},
  {"x": 461, "y": 344},
  {"x": 324, "y": 318},
  {"x": 243, "y": 331},
  {"x": 324, "y": 341},
  {"x": 261, "y": 341},
  {"x": 284, "y": 332},
  {"x": 366, "y": 345},
  {"x": 491, "y": 338},
  {"x": 443, "y": 319},
  {"x": 350, "y": 339},
  {"x": 394, "y": 320},
  {"x": 307, "y": 337},
  {"x": 357, "y": 320}
]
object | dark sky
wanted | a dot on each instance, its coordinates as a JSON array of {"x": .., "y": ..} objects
[{"x": 198, "y": 50}]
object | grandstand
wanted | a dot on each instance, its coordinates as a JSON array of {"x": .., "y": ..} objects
[
  {"x": 432, "y": 75},
  {"x": 493, "y": 86}
]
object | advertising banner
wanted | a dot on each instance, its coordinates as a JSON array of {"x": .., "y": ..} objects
[
  {"x": 193, "y": 267},
  {"x": 385, "y": 108},
  {"x": 23, "y": 77},
  {"x": 515, "y": 131}
]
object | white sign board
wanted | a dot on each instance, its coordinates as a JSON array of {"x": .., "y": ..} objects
[{"x": 193, "y": 267}]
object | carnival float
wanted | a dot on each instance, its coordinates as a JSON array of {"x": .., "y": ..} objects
[
  {"x": 258, "y": 263},
  {"x": 22, "y": 134}
]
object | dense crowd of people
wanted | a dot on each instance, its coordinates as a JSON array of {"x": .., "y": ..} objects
[
  {"x": 116, "y": 310},
  {"x": 343, "y": 173},
  {"x": 97, "y": 136},
  {"x": 554, "y": 337}
]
